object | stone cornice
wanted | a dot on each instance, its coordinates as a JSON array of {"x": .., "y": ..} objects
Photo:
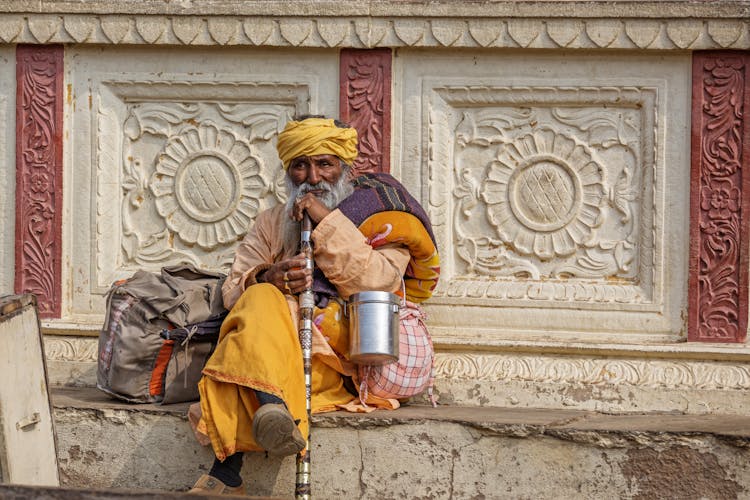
[
  {"x": 368, "y": 32},
  {"x": 425, "y": 9}
]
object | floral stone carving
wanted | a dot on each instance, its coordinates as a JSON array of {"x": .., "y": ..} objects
[
  {"x": 207, "y": 184},
  {"x": 543, "y": 194},
  {"x": 553, "y": 191},
  {"x": 193, "y": 173}
]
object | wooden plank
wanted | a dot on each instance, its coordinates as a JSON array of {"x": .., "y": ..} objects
[{"x": 28, "y": 454}]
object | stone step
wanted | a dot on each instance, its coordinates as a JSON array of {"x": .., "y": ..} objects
[
  {"x": 448, "y": 452},
  {"x": 25, "y": 492}
]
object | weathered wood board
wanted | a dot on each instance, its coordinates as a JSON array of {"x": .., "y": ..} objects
[{"x": 28, "y": 452}]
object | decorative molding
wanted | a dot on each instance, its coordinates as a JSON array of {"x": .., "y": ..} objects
[
  {"x": 595, "y": 370},
  {"x": 720, "y": 195},
  {"x": 553, "y": 190},
  {"x": 370, "y": 32},
  {"x": 39, "y": 175},
  {"x": 654, "y": 373},
  {"x": 365, "y": 95},
  {"x": 80, "y": 349}
]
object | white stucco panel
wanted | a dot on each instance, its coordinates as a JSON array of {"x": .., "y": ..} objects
[
  {"x": 8, "y": 169},
  {"x": 172, "y": 154},
  {"x": 558, "y": 187}
]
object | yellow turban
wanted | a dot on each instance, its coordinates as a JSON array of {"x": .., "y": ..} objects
[{"x": 316, "y": 136}]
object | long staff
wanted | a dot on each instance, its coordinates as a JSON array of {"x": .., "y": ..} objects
[{"x": 306, "y": 305}]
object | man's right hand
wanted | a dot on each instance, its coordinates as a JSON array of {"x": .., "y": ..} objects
[
  {"x": 290, "y": 276},
  {"x": 310, "y": 203}
]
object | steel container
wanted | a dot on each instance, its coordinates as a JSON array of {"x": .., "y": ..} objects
[{"x": 373, "y": 327}]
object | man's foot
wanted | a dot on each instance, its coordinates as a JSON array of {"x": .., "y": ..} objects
[
  {"x": 275, "y": 431},
  {"x": 209, "y": 484}
]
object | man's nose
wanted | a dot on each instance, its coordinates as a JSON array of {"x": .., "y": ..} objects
[{"x": 313, "y": 175}]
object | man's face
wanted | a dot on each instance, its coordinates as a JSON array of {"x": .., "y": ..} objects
[{"x": 313, "y": 169}]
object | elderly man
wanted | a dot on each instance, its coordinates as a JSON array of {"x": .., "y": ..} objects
[{"x": 369, "y": 234}]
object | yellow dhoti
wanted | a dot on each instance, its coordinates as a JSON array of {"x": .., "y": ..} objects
[{"x": 259, "y": 349}]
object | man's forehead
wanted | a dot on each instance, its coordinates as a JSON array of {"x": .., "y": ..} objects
[{"x": 315, "y": 157}]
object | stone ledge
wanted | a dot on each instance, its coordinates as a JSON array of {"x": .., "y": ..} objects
[
  {"x": 23, "y": 492},
  {"x": 519, "y": 422},
  {"x": 419, "y": 452}
]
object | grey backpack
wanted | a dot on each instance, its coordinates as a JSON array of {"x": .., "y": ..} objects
[{"x": 158, "y": 332}]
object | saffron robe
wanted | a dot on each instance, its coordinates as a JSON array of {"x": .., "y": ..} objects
[{"x": 258, "y": 345}]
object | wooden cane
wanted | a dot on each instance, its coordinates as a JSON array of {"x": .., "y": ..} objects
[{"x": 302, "y": 487}]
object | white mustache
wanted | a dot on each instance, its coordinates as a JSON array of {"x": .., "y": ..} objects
[{"x": 305, "y": 188}]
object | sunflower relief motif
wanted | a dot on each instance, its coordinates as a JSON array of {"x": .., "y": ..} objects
[
  {"x": 207, "y": 184},
  {"x": 543, "y": 194}
]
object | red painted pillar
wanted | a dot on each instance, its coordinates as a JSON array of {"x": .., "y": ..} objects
[
  {"x": 39, "y": 125},
  {"x": 365, "y": 103},
  {"x": 720, "y": 197}
]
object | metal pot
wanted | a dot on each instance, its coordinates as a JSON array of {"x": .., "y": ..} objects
[{"x": 373, "y": 327}]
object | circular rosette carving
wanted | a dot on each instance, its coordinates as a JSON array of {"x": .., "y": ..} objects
[
  {"x": 543, "y": 194},
  {"x": 207, "y": 186}
]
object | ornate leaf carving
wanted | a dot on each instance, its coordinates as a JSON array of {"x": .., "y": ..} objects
[
  {"x": 719, "y": 291},
  {"x": 158, "y": 119},
  {"x": 365, "y": 104},
  {"x": 656, "y": 373},
  {"x": 39, "y": 175}
]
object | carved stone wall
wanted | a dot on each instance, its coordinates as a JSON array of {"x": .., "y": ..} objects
[
  {"x": 720, "y": 197},
  {"x": 39, "y": 134},
  {"x": 554, "y": 192},
  {"x": 179, "y": 162}
]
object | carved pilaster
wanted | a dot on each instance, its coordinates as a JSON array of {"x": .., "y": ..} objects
[
  {"x": 39, "y": 74},
  {"x": 720, "y": 198},
  {"x": 366, "y": 105}
]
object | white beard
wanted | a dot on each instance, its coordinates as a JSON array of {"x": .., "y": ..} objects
[{"x": 332, "y": 195}]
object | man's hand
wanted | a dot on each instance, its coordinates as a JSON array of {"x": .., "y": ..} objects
[
  {"x": 290, "y": 276},
  {"x": 312, "y": 205}
]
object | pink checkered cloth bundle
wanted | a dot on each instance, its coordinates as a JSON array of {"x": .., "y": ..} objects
[{"x": 412, "y": 374}]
